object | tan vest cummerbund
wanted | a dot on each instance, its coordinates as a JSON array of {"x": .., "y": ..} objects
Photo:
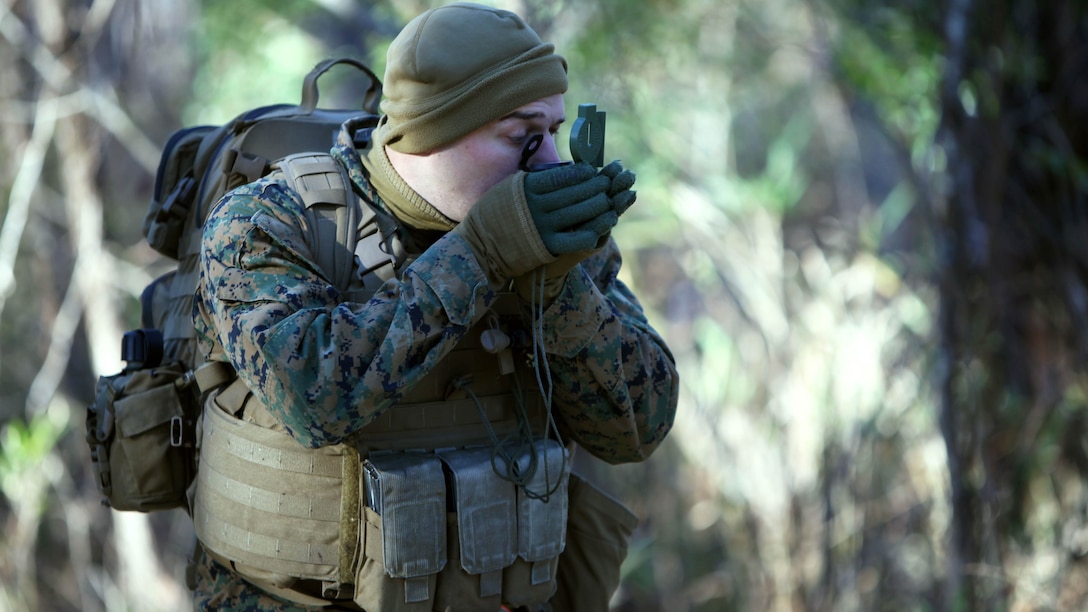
[{"x": 277, "y": 511}]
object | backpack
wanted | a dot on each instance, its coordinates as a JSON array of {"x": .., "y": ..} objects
[{"x": 142, "y": 426}]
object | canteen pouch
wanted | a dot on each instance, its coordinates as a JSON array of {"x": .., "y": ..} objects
[
  {"x": 404, "y": 532},
  {"x": 141, "y": 433}
]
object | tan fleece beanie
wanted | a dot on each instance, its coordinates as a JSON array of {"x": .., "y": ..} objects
[{"x": 456, "y": 68}]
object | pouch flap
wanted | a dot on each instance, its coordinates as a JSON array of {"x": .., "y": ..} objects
[
  {"x": 542, "y": 502},
  {"x": 412, "y": 494},
  {"x": 139, "y": 413},
  {"x": 486, "y": 510}
]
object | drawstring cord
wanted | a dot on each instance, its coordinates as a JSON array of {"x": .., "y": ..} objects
[
  {"x": 522, "y": 440},
  {"x": 540, "y": 357}
]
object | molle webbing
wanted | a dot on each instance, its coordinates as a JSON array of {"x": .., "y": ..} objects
[
  {"x": 443, "y": 424},
  {"x": 409, "y": 426},
  {"x": 266, "y": 502}
]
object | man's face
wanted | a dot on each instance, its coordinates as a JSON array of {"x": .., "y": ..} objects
[{"x": 465, "y": 170}]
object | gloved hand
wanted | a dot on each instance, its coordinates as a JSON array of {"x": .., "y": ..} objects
[
  {"x": 619, "y": 198},
  {"x": 527, "y": 220},
  {"x": 619, "y": 189},
  {"x": 570, "y": 207}
]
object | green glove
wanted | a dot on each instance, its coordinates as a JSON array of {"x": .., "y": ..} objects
[
  {"x": 569, "y": 206},
  {"x": 591, "y": 234},
  {"x": 527, "y": 220},
  {"x": 619, "y": 189}
]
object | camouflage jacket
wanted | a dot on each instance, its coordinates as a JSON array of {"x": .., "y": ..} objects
[{"x": 325, "y": 367}]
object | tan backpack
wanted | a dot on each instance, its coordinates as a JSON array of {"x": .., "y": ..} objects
[{"x": 141, "y": 428}]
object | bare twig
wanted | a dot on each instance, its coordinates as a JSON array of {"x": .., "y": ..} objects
[
  {"x": 102, "y": 106},
  {"x": 22, "y": 193}
]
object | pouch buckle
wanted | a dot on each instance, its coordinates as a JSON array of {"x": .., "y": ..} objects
[{"x": 177, "y": 431}]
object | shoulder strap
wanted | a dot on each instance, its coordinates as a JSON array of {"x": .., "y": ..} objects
[
  {"x": 351, "y": 240},
  {"x": 331, "y": 211},
  {"x": 379, "y": 252}
]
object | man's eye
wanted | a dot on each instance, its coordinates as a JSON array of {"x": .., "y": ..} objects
[{"x": 519, "y": 138}]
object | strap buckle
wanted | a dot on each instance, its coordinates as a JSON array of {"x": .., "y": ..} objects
[{"x": 177, "y": 431}]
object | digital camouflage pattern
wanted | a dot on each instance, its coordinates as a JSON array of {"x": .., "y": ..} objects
[
  {"x": 221, "y": 589},
  {"x": 325, "y": 368}
]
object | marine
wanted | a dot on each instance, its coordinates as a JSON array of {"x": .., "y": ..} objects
[{"x": 506, "y": 262}]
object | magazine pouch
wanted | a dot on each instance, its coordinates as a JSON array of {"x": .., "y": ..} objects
[
  {"x": 486, "y": 528},
  {"x": 404, "y": 532},
  {"x": 542, "y": 525}
]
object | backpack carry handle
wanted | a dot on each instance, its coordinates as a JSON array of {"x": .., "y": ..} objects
[{"x": 309, "y": 85}]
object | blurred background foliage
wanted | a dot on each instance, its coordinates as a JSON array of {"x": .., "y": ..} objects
[{"x": 861, "y": 227}]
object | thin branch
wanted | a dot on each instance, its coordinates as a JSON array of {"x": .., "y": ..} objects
[
  {"x": 94, "y": 24},
  {"x": 22, "y": 192},
  {"x": 78, "y": 524},
  {"x": 52, "y": 70},
  {"x": 49, "y": 376},
  {"x": 102, "y": 106},
  {"x": 119, "y": 123}
]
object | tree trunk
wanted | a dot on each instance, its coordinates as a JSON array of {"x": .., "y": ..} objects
[{"x": 1011, "y": 263}]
